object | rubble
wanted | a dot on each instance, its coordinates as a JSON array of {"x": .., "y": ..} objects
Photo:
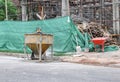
[{"x": 96, "y": 30}]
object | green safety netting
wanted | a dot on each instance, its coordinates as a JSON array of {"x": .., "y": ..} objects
[{"x": 66, "y": 35}]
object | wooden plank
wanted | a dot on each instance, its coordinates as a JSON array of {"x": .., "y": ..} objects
[{"x": 115, "y": 35}]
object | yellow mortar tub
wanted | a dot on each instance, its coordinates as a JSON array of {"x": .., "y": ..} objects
[{"x": 33, "y": 41}]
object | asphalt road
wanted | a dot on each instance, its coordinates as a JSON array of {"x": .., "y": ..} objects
[{"x": 16, "y": 70}]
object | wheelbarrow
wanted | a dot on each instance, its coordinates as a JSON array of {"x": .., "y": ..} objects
[{"x": 99, "y": 41}]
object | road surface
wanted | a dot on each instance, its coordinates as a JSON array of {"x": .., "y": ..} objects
[{"x": 14, "y": 69}]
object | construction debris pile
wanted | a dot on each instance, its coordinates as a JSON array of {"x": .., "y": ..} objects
[{"x": 96, "y": 30}]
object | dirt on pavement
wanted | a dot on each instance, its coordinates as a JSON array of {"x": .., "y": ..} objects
[
  {"x": 95, "y": 58},
  {"x": 92, "y": 58}
]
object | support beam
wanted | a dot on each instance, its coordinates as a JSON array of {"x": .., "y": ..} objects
[
  {"x": 24, "y": 10},
  {"x": 116, "y": 23},
  {"x": 40, "y": 48},
  {"x": 65, "y": 8},
  {"x": 6, "y": 10}
]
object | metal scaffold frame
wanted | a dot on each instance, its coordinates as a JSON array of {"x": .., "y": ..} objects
[{"x": 105, "y": 12}]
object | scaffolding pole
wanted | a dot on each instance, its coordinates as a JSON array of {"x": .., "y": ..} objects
[
  {"x": 116, "y": 25},
  {"x": 6, "y": 10},
  {"x": 65, "y": 8},
  {"x": 24, "y": 10}
]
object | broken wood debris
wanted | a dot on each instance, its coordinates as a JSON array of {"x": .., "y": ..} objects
[{"x": 96, "y": 30}]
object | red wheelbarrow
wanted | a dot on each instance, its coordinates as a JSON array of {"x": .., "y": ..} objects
[{"x": 99, "y": 41}]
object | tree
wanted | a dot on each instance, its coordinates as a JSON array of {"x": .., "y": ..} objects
[{"x": 12, "y": 10}]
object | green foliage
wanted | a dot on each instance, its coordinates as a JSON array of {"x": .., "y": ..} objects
[{"x": 12, "y": 11}]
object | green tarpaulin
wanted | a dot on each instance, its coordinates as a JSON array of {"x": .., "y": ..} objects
[{"x": 66, "y": 35}]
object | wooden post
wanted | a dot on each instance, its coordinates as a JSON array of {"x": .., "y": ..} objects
[
  {"x": 52, "y": 52},
  {"x": 6, "y": 9},
  {"x": 24, "y": 10},
  {"x": 65, "y": 8},
  {"x": 40, "y": 48},
  {"x": 25, "y": 51},
  {"x": 116, "y": 23}
]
